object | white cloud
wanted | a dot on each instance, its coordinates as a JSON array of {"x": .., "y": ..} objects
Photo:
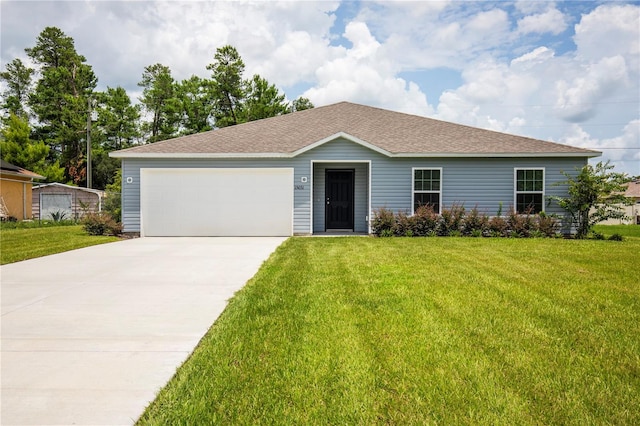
[
  {"x": 623, "y": 151},
  {"x": 447, "y": 36},
  {"x": 490, "y": 22},
  {"x": 362, "y": 74},
  {"x": 610, "y": 30},
  {"x": 552, "y": 21},
  {"x": 576, "y": 136},
  {"x": 535, "y": 57},
  {"x": 364, "y": 44},
  {"x": 577, "y": 100},
  {"x": 528, "y": 6},
  {"x": 290, "y": 62}
]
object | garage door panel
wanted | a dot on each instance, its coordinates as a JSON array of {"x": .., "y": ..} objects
[{"x": 217, "y": 202}]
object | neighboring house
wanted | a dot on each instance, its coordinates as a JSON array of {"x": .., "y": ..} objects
[
  {"x": 57, "y": 200},
  {"x": 330, "y": 168},
  {"x": 15, "y": 191},
  {"x": 632, "y": 211}
]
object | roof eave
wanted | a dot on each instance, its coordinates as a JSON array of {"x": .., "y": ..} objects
[
  {"x": 31, "y": 176},
  {"x": 160, "y": 155},
  {"x": 62, "y": 185},
  {"x": 200, "y": 155},
  {"x": 343, "y": 135},
  {"x": 495, "y": 154}
]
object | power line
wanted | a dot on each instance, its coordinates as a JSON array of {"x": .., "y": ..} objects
[{"x": 636, "y": 101}]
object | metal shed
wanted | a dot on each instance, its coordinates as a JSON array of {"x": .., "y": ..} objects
[{"x": 64, "y": 201}]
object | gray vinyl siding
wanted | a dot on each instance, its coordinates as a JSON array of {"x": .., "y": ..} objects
[{"x": 484, "y": 183}]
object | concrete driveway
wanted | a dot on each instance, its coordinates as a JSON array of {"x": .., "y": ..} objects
[{"x": 90, "y": 336}]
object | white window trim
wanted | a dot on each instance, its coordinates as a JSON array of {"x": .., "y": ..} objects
[
  {"x": 515, "y": 186},
  {"x": 413, "y": 187}
]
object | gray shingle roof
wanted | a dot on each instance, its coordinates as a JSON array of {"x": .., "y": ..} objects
[
  {"x": 633, "y": 190},
  {"x": 9, "y": 168},
  {"x": 393, "y": 133}
]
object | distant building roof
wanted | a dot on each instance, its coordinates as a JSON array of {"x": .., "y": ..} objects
[
  {"x": 633, "y": 189},
  {"x": 62, "y": 185},
  {"x": 391, "y": 133},
  {"x": 8, "y": 168}
]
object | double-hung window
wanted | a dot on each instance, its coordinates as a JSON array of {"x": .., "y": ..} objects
[
  {"x": 427, "y": 188},
  {"x": 529, "y": 190}
]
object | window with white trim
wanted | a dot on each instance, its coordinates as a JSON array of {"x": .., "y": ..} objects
[
  {"x": 529, "y": 190},
  {"x": 427, "y": 188}
]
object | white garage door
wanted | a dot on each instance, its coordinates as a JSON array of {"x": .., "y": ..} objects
[{"x": 216, "y": 202}]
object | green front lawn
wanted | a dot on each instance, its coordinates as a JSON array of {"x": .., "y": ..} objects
[
  {"x": 28, "y": 243},
  {"x": 422, "y": 331},
  {"x": 624, "y": 230}
]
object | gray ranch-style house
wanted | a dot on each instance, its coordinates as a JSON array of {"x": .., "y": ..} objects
[{"x": 329, "y": 169}]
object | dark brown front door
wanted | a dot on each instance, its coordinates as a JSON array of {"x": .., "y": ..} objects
[{"x": 339, "y": 199}]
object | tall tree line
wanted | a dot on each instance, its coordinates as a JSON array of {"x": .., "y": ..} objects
[{"x": 50, "y": 111}]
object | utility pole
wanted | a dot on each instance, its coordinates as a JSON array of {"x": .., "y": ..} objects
[{"x": 89, "y": 173}]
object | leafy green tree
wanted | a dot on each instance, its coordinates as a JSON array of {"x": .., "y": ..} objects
[
  {"x": 159, "y": 100},
  {"x": 17, "y": 148},
  {"x": 117, "y": 119},
  {"x": 196, "y": 101},
  {"x": 112, "y": 203},
  {"x": 60, "y": 98},
  {"x": 104, "y": 167},
  {"x": 595, "y": 194},
  {"x": 18, "y": 79},
  {"x": 262, "y": 100},
  {"x": 300, "y": 104},
  {"x": 228, "y": 86}
]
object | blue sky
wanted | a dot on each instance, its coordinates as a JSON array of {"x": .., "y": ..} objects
[{"x": 567, "y": 71}]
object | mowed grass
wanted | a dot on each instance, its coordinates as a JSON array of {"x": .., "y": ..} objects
[
  {"x": 29, "y": 243},
  {"x": 422, "y": 331},
  {"x": 624, "y": 230}
]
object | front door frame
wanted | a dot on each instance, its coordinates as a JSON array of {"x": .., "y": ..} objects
[
  {"x": 338, "y": 162},
  {"x": 329, "y": 200}
]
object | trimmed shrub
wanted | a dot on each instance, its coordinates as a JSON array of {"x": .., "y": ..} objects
[
  {"x": 520, "y": 224},
  {"x": 475, "y": 223},
  {"x": 426, "y": 221},
  {"x": 455, "y": 221},
  {"x": 383, "y": 220},
  {"x": 101, "y": 224},
  {"x": 386, "y": 233},
  {"x": 404, "y": 225},
  {"x": 548, "y": 225},
  {"x": 451, "y": 220},
  {"x": 497, "y": 226}
]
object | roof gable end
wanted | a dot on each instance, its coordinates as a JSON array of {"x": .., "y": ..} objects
[{"x": 342, "y": 135}]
